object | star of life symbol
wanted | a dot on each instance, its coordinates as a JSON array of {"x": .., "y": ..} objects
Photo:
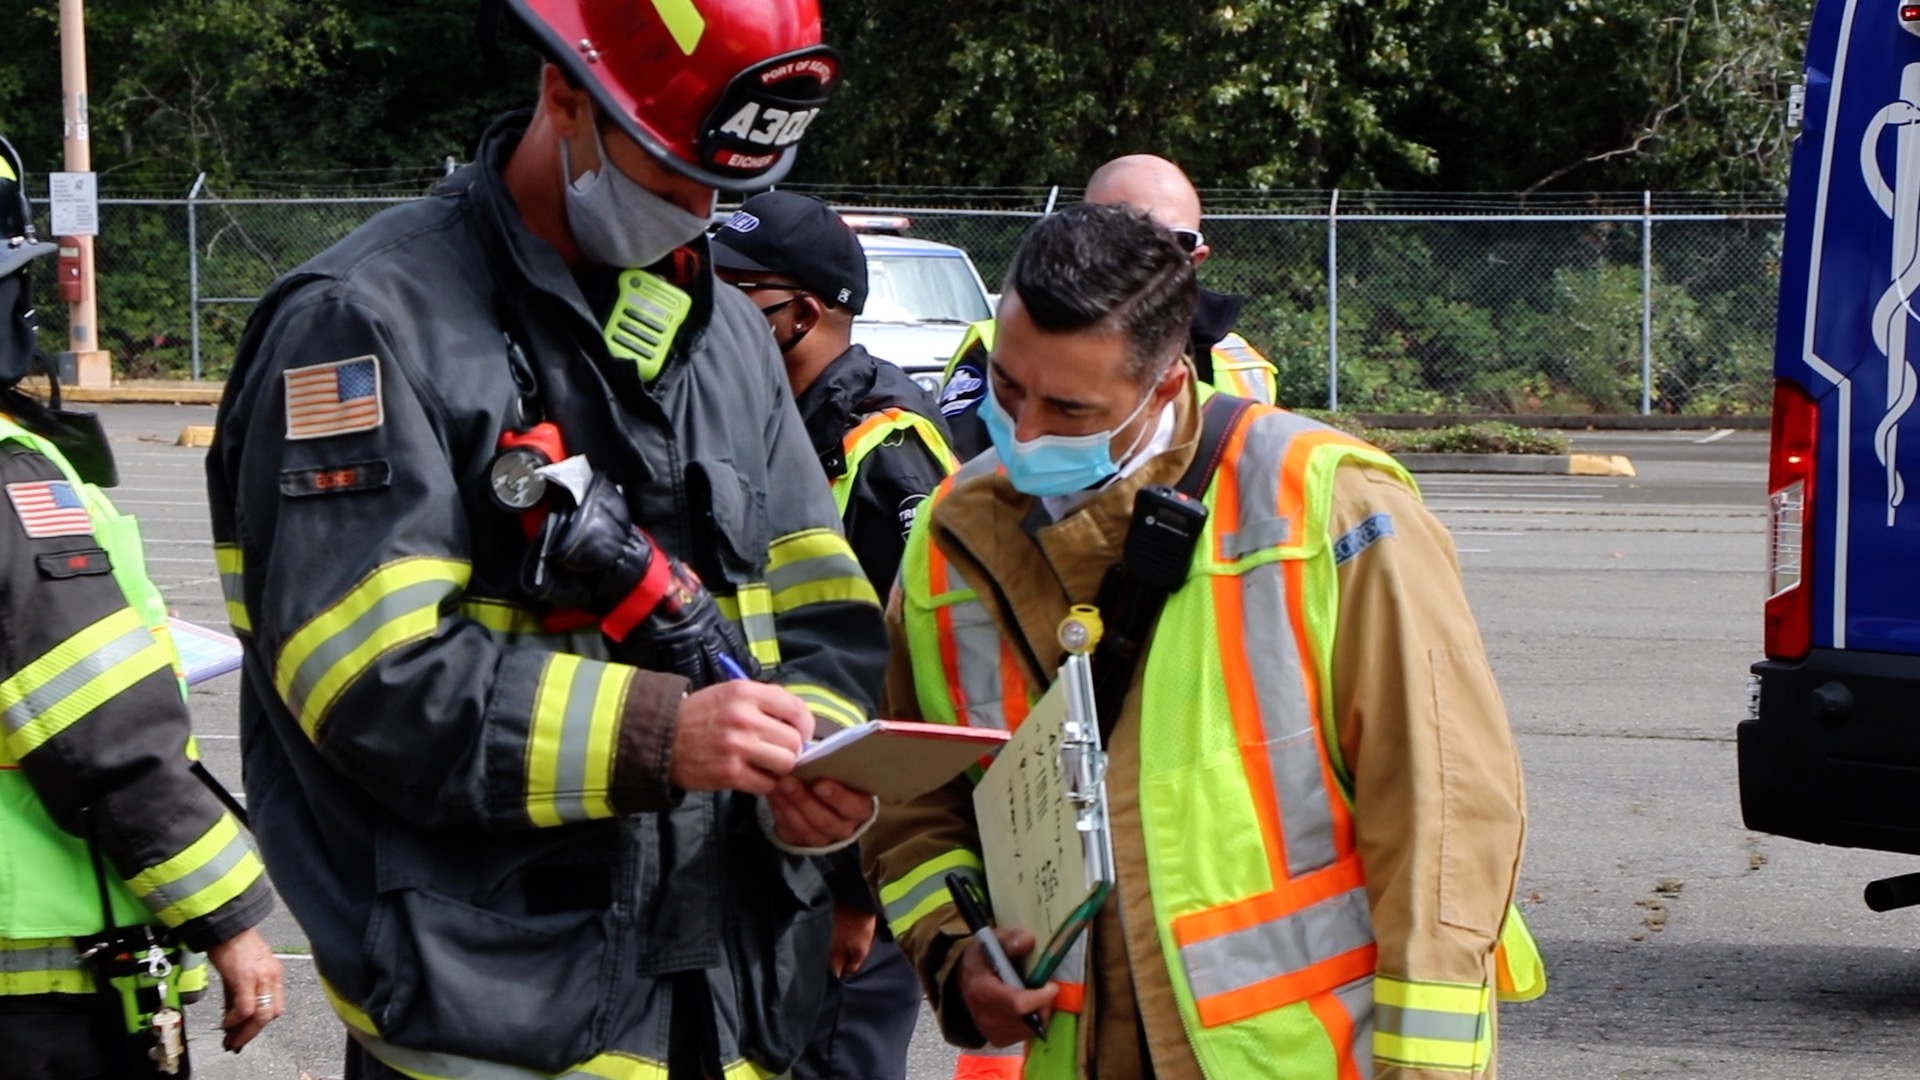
[{"x": 1893, "y": 316}]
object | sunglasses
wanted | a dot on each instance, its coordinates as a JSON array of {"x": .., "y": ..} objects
[{"x": 1188, "y": 239}]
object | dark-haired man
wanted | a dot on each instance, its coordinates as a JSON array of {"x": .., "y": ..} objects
[
  {"x": 1221, "y": 358},
  {"x": 1315, "y": 801}
]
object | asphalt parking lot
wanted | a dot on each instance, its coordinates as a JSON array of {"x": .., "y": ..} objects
[{"x": 1621, "y": 615}]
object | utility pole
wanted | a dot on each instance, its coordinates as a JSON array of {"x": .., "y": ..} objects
[{"x": 85, "y": 363}]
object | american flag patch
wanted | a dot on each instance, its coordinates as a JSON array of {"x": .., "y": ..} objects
[
  {"x": 333, "y": 399},
  {"x": 50, "y": 508}
]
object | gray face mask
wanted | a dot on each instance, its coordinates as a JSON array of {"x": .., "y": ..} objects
[{"x": 617, "y": 222}]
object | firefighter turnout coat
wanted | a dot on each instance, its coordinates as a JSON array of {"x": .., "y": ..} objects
[
  {"x": 1316, "y": 803},
  {"x": 470, "y": 814},
  {"x": 93, "y": 724}
]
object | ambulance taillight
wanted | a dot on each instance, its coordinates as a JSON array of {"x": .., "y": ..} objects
[{"x": 1791, "y": 470}]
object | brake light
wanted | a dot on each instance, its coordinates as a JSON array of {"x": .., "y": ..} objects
[{"x": 1790, "y": 494}]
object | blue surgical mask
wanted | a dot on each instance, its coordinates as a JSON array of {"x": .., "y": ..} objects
[
  {"x": 1048, "y": 465},
  {"x": 619, "y": 223}
]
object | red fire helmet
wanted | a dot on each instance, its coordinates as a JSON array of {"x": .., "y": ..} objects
[{"x": 719, "y": 90}]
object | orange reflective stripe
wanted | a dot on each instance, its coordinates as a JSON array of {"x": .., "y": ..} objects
[
  {"x": 949, "y": 641},
  {"x": 1283, "y": 990},
  {"x": 1071, "y": 997},
  {"x": 1285, "y": 899},
  {"x": 1502, "y": 973},
  {"x": 1244, "y": 702},
  {"x": 978, "y": 1066},
  {"x": 1293, "y": 472},
  {"x": 1013, "y": 686},
  {"x": 1333, "y": 1016}
]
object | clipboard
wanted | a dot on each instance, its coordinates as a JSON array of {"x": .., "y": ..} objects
[{"x": 1042, "y": 811}]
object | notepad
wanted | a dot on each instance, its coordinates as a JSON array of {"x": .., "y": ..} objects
[
  {"x": 897, "y": 760},
  {"x": 204, "y": 653}
]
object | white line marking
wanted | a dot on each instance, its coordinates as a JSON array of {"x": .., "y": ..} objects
[
  {"x": 1715, "y": 437},
  {"x": 1507, "y": 495}
]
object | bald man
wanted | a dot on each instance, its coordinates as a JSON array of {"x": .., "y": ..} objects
[{"x": 1221, "y": 358}]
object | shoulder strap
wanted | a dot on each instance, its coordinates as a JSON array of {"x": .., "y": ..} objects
[{"x": 1219, "y": 416}]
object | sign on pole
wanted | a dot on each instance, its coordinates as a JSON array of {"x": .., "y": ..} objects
[{"x": 76, "y": 204}]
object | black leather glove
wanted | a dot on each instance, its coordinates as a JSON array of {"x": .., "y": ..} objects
[{"x": 591, "y": 557}]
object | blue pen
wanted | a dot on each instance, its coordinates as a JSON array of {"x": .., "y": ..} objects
[{"x": 733, "y": 669}]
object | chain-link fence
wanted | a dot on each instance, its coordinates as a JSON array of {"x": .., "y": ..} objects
[{"x": 1589, "y": 304}]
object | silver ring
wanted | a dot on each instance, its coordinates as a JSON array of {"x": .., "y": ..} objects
[{"x": 263, "y": 999}]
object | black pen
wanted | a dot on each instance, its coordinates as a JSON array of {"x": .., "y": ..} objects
[{"x": 982, "y": 932}]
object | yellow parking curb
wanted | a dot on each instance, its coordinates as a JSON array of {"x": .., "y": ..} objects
[
  {"x": 195, "y": 435},
  {"x": 1599, "y": 465}
]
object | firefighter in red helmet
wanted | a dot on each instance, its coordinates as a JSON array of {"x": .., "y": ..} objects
[{"x": 542, "y": 586}]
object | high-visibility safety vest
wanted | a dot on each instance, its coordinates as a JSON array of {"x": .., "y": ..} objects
[
  {"x": 51, "y": 894},
  {"x": 1238, "y": 368},
  {"x": 1264, "y": 923},
  {"x": 877, "y": 429}
]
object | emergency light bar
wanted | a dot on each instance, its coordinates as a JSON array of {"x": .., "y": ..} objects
[{"x": 899, "y": 223}]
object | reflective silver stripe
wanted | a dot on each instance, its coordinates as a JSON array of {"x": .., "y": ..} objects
[
  {"x": 42, "y": 698},
  {"x": 400, "y": 602},
  {"x": 1357, "y": 998},
  {"x": 1257, "y": 536},
  {"x": 1333, "y": 927},
  {"x": 185, "y": 887},
  {"x": 976, "y": 642},
  {"x": 61, "y": 956},
  {"x": 1293, "y": 750},
  {"x": 1430, "y": 1023},
  {"x": 837, "y": 566},
  {"x": 576, "y": 732},
  {"x": 1257, "y": 472},
  {"x": 1073, "y": 966},
  {"x": 913, "y": 898}
]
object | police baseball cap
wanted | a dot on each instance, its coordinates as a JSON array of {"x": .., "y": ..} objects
[{"x": 793, "y": 236}]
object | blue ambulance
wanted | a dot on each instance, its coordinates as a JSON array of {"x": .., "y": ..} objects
[{"x": 1830, "y": 748}]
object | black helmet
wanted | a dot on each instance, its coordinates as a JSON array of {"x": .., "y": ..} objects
[{"x": 18, "y": 246}]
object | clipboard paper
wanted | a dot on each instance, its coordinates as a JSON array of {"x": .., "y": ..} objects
[{"x": 1042, "y": 814}]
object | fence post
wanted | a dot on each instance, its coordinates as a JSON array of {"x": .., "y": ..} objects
[
  {"x": 1646, "y": 302},
  {"x": 1333, "y": 304},
  {"x": 193, "y": 266}
]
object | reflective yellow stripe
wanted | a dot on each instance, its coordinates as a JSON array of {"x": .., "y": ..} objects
[
  {"x": 752, "y": 610},
  {"x": 1446, "y": 1027},
  {"x": 801, "y": 546},
  {"x": 208, "y": 874},
  {"x": 500, "y": 616},
  {"x": 76, "y": 677},
  {"x": 352, "y": 1015},
  {"x": 922, "y": 890},
  {"x": 815, "y": 567},
  {"x": 873, "y": 432},
  {"x": 396, "y": 604},
  {"x": 193, "y": 975},
  {"x": 231, "y": 562},
  {"x": 572, "y": 739},
  {"x": 422, "y": 1065},
  {"x": 685, "y": 23},
  {"x": 828, "y": 705},
  {"x": 850, "y": 589},
  {"x": 41, "y": 966}
]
